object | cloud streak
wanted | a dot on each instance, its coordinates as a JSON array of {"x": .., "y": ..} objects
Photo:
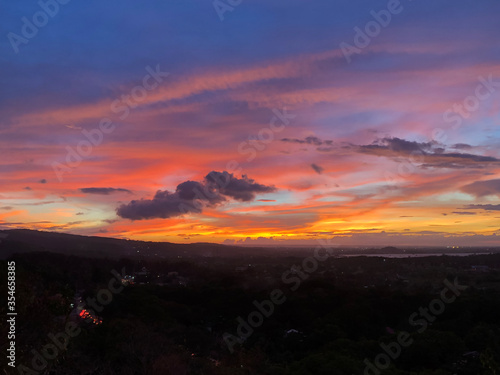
[
  {"x": 486, "y": 207},
  {"x": 104, "y": 190},
  {"x": 483, "y": 188}
]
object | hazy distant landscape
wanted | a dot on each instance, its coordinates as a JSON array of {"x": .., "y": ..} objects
[{"x": 22, "y": 240}]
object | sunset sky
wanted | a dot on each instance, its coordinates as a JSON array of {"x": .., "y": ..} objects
[{"x": 397, "y": 143}]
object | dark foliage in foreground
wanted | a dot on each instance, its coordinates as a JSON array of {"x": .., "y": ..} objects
[{"x": 337, "y": 317}]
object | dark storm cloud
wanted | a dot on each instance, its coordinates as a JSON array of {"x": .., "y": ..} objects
[
  {"x": 104, "y": 191},
  {"x": 483, "y": 188},
  {"x": 193, "y": 196},
  {"x": 163, "y": 205},
  {"x": 190, "y": 190},
  {"x": 397, "y": 145},
  {"x": 242, "y": 189},
  {"x": 317, "y": 168},
  {"x": 463, "y": 213},
  {"x": 427, "y": 154}
]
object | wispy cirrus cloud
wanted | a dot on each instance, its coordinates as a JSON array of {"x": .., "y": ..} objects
[{"x": 483, "y": 188}]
